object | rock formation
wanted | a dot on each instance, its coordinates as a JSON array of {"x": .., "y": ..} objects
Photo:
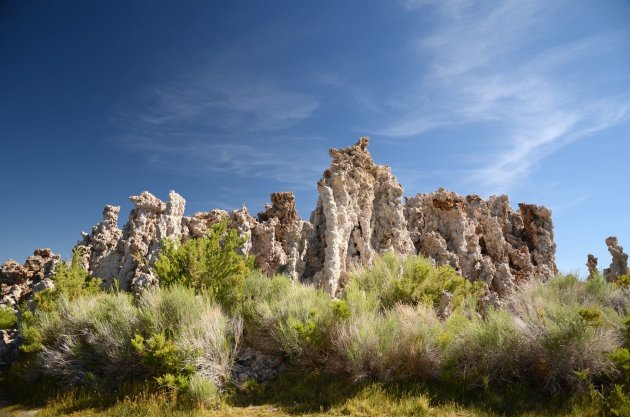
[
  {"x": 591, "y": 264},
  {"x": 19, "y": 283},
  {"x": 360, "y": 213},
  {"x": 483, "y": 240},
  {"x": 619, "y": 264}
]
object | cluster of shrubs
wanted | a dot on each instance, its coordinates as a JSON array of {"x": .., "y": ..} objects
[{"x": 390, "y": 325}]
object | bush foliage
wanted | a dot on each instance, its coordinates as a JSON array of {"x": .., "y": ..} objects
[
  {"x": 8, "y": 318},
  {"x": 212, "y": 265},
  {"x": 389, "y": 325}
]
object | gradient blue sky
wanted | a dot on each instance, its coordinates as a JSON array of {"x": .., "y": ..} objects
[{"x": 226, "y": 102}]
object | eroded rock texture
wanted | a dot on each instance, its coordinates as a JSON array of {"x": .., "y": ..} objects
[
  {"x": 359, "y": 214},
  {"x": 19, "y": 281},
  {"x": 619, "y": 264},
  {"x": 483, "y": 240},
  {"x": 277, "y": 237},
  {"x": 127, "y": 254}
]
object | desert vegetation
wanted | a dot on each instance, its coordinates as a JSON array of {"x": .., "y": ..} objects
[{"x": 406, "y": 337}]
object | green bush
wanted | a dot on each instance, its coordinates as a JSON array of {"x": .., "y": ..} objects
[
  {"x": 479, "y": 350},
  {"x": 72, "y": 281},
  {"x": 211, "y": 264},
  {"x": 202, "y": 392},
  {"x": 414, "y": 280},
  {"x": 8, "y": 318},
  {"x": 291, "y": 318},
  {"x": 569, "y": 328},
  {"x": 104, "y": 339},
  {"x": 392, "y": 345}
]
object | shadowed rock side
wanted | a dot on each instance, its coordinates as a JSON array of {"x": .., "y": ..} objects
[
  {"x": 359, "y": 214},
  {"x": 483, "y": 240}
]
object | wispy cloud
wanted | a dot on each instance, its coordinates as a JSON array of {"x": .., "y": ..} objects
[
  {"x": 231, "y": 102},
  {"x": 221, "y": 122},
  {"x": 487, "y": 66},
  {"x": 213, "y": 157}
]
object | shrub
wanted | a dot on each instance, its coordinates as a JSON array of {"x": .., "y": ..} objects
[
  {"x": 479, "y": 350},
  {"x": 72, "y": 281},
  {"x": 202, "y": 392},
  {"x": 568, "y": 331},
  {"x": 392, "y": 345},
  {"x": 8, "y": 318},
  {"x": 414, "y": 280},
  {"x": 211, "y": 264},
  {"x": 87, "y": 341},
  {"x": 622, "y": 281},
  {"x": 203, "y": 337},
  {"x": 291, "y": 318},
  {"x": 104, "y": 339}
]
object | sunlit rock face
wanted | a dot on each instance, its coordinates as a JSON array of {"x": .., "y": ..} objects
[
  {"x": 619, "y": 264},
  {"x": 18, "y": 281},
  {"x": 484, "y": 240},
  {"x": 360, "y": 213},
  {"x": 18, "y": 285}
]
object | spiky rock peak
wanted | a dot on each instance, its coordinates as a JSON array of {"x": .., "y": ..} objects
[{"x": 360, "y": 213}]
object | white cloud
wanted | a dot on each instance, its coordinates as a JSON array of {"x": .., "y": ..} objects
[
  {"x": 486, "y": 64},
  {"x": 216, "y": 122},
  {"x": 234, "y": 103}
]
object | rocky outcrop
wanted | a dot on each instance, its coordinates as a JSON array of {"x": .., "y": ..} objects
[
  {"x": 360, "y": 213},
  {"x": 277, "y": 237},
  {"x": 99, "y": 249},
  {"x": 484, "y": 240},
  {"x": 591, "y": 264},
  {"x": 127, "y": 255},
  {"x": 19, "y": 281},
  {"x": 619, "y": 264},
  {"x": 18, "y": 284},
  {"x": 251, "y": 364}
]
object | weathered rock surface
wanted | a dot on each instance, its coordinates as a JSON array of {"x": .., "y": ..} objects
[
  {"x": 277, "y": 238},
  {"x": 17, "y": 281},
  {"x": 483, "y": 240},
  {"x": 359, "y": 214},
  {"x": 591, "y": 264},
  {"x": 619, "y": 264},
  {"x": 256, "y": 365}
]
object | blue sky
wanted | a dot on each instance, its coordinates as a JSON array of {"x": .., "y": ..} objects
[{"x": 226, "y": 102}]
